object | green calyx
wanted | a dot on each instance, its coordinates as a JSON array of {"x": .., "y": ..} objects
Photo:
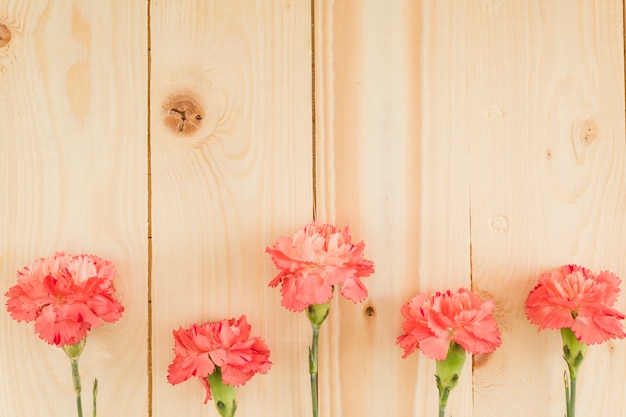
[
  {"x": 448, "y": 372},
  {"x": 73, "y": 351},
  {"x": 224, "y": 396},
  {"x": 317, "y": 313},
  {"x": 574, "y": 351}
]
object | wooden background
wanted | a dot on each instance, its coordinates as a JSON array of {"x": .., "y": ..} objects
[{"x": 470, "y": 143}]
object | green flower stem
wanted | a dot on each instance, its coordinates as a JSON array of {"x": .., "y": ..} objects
[
  {"x": 570, "y": 396},
  {"x": 73, "y": 353},
  {"x": 574, "y": 353},
  {"x": 224, "y": 395},
  {"x": 94, "y": 394},
  {"x": 77, "y": 386},
  {"x": 316, "y": 313},
  {"x": 313, "y": 371},
  {"x": 447, "y": 373}
]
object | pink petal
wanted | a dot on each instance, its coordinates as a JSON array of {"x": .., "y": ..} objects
[
  {"x": 435, "y": 347},
  {"x": 611, "y": 287},
  {"x": 550, "y": 317},
  {"x": 407, "y": 342},
  {"x": 218, "y": 356},
  {"x": 610, "y": 325},
  {"x": 312, "y": 289},
  {"x": 573, "y": 291},
  {"x": 66, "y": 296},
  {"x": 207, "y": 387},
  {"x": 354, "y": 290},
  {"x": 234, "y": 376},
  {"x": 289, "y": 291},
  {"x": 477, "y": 345},
  {"x": 433, "y": 322},
  {"x": 440, "y": 325},
  {"x": 317, "y": 258},
  {"x": 56, "y": 331},
  {"x": 485, "y": 329},
  {"x": 225, "y": 344}
]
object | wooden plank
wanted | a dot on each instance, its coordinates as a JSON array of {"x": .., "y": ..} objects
[
  {"x": 392, "y": 163},
  {"x": 227, "y": 185},
  {"x": 548, "y": 182},
  {"x": 73, "y": 164}
]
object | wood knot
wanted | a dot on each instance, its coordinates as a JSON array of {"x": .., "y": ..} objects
[
  {"x": 183, "y": 113},
  {"x": 588, "y": 131},
  {"x": 499, "y": 224},
  {"x": 369, "y": 311},
  {"x": 5, "y": 35}
]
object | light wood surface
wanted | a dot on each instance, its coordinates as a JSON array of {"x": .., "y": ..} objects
[
  {"x": 469, "y": 143},
  {"x": 73, "y": 177},
  {"x": 225, "y": 190},
  {"x": 392, "y": 163},
  {"x": 548, "y": 187}
]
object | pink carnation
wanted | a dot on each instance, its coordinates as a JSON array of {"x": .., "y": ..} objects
[
  {"x": 316, "y": 259},
  {"x": 574, "y": 297},
  {"x": 431, "y": 323},
  {"x": 65, "y": 296},
  {"x": 225, "y": 344}
]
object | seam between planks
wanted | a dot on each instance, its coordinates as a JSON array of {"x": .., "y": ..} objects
[
  {"x": 313, "y": 115},
  {"x": 149, "y": 202}
]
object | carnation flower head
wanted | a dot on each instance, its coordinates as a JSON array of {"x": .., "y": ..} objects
[
  {"x": 201, "y": 349},
  {"x": 65, "y": 296},
  {"x": 313, "y": 261},
  {"x": 576, "y": 298},
  {"x": 432, "y": 323}
]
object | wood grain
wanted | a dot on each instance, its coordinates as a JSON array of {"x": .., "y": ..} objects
[
  {"x": 548, "y": 186},
  {"x": 228, "y": 184},
  {"x": 474, "y": 143},
  {"x": 392, "y": 163},
  {"x": 73, "y": 164}
]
